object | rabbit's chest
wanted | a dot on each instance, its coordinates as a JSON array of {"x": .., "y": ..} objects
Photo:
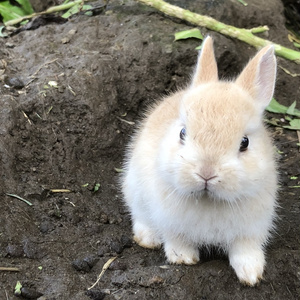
[{"x": 205, "y": 224}]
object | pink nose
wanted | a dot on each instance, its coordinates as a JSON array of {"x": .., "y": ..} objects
[{"x": 207, "y": 178}]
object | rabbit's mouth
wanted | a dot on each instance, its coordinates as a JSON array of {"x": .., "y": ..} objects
[{"x": 206, "y": 182}]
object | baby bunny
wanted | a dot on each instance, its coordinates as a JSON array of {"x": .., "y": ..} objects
[{"x": 200, "y": 170}]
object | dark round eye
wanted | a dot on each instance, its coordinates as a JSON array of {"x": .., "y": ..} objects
[
  {"x": 182, "y": 134},
  {"x": 244, "y": 144}
]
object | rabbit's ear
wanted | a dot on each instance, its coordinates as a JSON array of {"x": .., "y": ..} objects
[
  {"x": 206, "y": 69},
  {"x": 258, "y": 77}
]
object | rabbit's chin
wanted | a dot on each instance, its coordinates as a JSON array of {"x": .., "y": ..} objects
[
  {"x": 199, "y": 191},
  {"x": 207, "y": 194}
]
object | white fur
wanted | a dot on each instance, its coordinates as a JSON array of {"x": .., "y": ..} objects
[{"x": 163, "y": 182}]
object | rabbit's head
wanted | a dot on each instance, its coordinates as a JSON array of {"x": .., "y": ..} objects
[{"x": 218, "y": 144}]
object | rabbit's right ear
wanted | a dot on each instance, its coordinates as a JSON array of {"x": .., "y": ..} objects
[{"x": 206, "y": 69}]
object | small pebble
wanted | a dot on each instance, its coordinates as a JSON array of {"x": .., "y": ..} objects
[
  {"x": 9, "y": 45},
  {"x": 15, "y": 250},
  {"x": 126, "y": 241},
  {"x": 91, "y": 260},
  {"x": 15, "y": 82},
  {"x": 116, "y": 246},
  {"x": 81, "y": 265},
  {"x": 103, "y": 218}
]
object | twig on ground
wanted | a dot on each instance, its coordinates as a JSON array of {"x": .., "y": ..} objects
[
  {"x": 50, "y": 10},
  {"x": 9, "y": 269},
  {"x": 245, "y": 35}
]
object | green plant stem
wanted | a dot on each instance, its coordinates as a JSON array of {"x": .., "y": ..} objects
[
  {"x": 245, "y": 35},
  {"x": 20, "y": 198},
  {"x": 50, "y": 10}
]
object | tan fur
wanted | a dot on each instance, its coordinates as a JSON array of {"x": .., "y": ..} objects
[
  {"x": 206, "y": 70},
  {"x": 202, "y": 189}
]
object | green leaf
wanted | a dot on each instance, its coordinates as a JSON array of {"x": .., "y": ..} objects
[
  {"x": 293, "y": 177},
  {"x": 296, "y": 45},
  {"x": 288, "y": 118},
  {"x": 243, "y": 2},
  {"x": 26, "y": 6},
  {"x": 75, "y": 9},
  {"x": 18, "y": 287},
  {"x": 294, "y": 125},
  {"x": 9, "y": 11},
  {"x": 276, "y": 107},
  {"x": 187, "y": 34},
  {"x": 292, "y": 110},
  {"x": 24, "y": 22},
  {"x": 96, "y": 187}
]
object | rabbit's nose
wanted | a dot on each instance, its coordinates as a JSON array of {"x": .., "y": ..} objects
[
  {"x": 207, "y": 172},
  {"x": 207, "y": 178}
]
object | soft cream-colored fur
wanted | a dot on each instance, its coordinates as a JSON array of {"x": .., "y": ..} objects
[{"x": 204, "y": 190}]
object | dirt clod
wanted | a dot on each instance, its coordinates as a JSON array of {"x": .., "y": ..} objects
[
  {"x": 95, "y": 294},
  {"x": 81, "y": 265},
  {"x": 30, "y": 293}
]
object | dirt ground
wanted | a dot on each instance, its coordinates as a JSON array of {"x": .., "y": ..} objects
[{"x": 108, "y": 68}]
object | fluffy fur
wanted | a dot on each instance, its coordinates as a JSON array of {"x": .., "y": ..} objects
[{"x": 202, "y": 190}]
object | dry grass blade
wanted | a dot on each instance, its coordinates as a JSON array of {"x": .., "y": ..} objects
[
  {"x": 105, "y": 267},
  {"x": 42, "y": 66},
  {"x": 9, "y": 269},
  {"x": 60, "y": 191}
]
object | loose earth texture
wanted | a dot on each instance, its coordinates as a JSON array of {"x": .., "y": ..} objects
[{"x": 71, "y": 95}]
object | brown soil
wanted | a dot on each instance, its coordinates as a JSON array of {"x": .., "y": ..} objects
[{"x": 73, "y": 137}]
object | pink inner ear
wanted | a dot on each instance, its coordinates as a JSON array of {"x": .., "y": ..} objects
[
  {"x": 258, "y": 77},
  {"x": 266, "y": 77},
  {"x": 206, "y": 69}
]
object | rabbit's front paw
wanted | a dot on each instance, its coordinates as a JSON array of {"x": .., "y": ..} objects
[
  {"x": 248, "y": 264},
  {"x": 145, "y": 236},
  {"x": 249, "y": 270},
  {"x": 178, "y": 253}
]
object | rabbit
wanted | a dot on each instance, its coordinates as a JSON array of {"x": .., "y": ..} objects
[{"x": 201, "y": 170}]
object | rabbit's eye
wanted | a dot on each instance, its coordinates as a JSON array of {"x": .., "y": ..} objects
[
  {"x": 182, "y": 134},
  {"x": 244, "y": 144}
]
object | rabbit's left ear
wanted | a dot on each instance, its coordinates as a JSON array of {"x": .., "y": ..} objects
[
  {"x": 206, "y": 69},
  {"x": 258, "y": 77}
]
